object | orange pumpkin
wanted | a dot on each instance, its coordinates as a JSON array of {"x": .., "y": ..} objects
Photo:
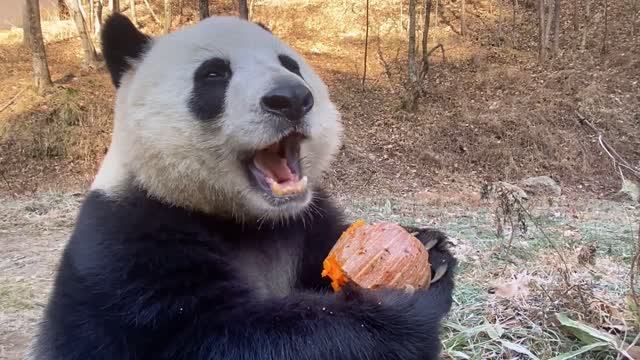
[{"x": 379, "y": 255}]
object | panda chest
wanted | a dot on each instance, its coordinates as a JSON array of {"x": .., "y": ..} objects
[{"x": 270, "y": 268}]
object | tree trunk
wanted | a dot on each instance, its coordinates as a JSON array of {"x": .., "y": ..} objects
[
  {"x": 412, "y": 96},
  {"x": 463, "y": 26},
  {"x": 97, "y": 21},
  {"x": 90, "y": 57},
  {"x": 251, "y": 3},
  {"x": 132, "y": 8},
  {"x": 114, "y": 5},
  {"x": 244, "y": 9},
  {"x": 605, "y": 37},
  {"x": 542, "y": 50},
  {"x": 204, "y": 9},
  {"x": 63, "y": 10},
  {"x": 153, "y": 14},
  {"x": 587, "y": 23},
  {"x": 514, "y": 23},
  {"x": 576, "y": 25},
  {"x": 180, "y": 12},
  {"x": 499, "y": 37},
  {"x": 435, "y": 13},
  {"x": 547, "y": 32},
  {"x": 167, "y": 16},
  {"x": 26, "y": 30},
  {"x": 556, "y": 28},
  {"x": 41, "y": 76},
  {"x": 634, "y": 17},
  {"x": 366, "y": 45},
  {"x": 90, "y": 17},
  {"x": 425, "y": 36}
]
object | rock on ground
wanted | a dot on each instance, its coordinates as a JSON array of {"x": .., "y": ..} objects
[{"x": 541, "y": 185}]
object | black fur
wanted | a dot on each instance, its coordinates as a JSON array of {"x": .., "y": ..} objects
[
  {"x": 210, "y": 82},
  {"x": 288, "y": 63},
  {"x": 121, "y": 43},
  {"x": 141, "y": 280}
]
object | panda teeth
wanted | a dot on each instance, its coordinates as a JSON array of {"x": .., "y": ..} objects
[{"x": 293, "y": 188}]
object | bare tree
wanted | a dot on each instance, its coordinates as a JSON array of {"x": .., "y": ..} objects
[
  {"x": 463, "y": 26},
  {"x": 605, "y": 37},
  {"x": 547, "y": 32},
  {"x": 90, "y": 58},
  {"x": 90, "y": 18},
  {"x": 435, "y": 13},
  {"x": 180, "y": 13},
  {"x": 425, "y": 35},
  {"x": 576, "y": 7},
  {"x": 26, "y": 31},
  {"x": 97, "y": 21},
  {"x": 167, "y": 16},
  {"x": 556, "y": 28},
  {"x": 153, "y": 14},
  {"x": 634, "y": 17},
  {"x": 114, "y": 6},
  {"x": 514, "y": 22},
  {"x": 244, "y": 9},
  {"x": 587, "y": 23},
  {"x": 413, "y": 92},
  {"x": 499, "y": 36},
  {"x": 41, "y": 76},
  {"x": 366, "y": 44},
  {"x": 132, "y": 8},
  {"x": 251, "y": 3},
  {"x": 204, "y": 9},
  {"x": 542, "y": 49}
]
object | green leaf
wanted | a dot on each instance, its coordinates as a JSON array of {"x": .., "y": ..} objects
[
  {"x": 586, "y": 333},
  {"x": 458, "y": 354},
  {"x": 582, "y": 350},
  {"x": 519, "y": 349},
  {"x": 494, "y": 331}
]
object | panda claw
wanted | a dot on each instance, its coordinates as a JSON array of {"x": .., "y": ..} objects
[
  {"x": 440, "y": 271},
  {"x": 429, "y": 245}
]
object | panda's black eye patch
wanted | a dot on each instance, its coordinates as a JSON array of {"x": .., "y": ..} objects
[
  {"x": 210, "y": 83},
  {"x": 289, "y": 64},
  {"x": 215, "y": 69}
]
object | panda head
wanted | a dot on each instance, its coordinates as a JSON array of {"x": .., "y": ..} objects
[{"x": 220, "y": 117}]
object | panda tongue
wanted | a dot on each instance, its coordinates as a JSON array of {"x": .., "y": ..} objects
[{"x": 273, "y": 165}]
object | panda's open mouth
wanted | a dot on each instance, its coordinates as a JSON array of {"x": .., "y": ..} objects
[{"x": 276, "y": 168}]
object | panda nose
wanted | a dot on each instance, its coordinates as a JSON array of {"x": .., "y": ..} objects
[{"x": 291, "y": 100}]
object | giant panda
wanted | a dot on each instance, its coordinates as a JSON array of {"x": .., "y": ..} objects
[{"x": 203, "y": 234}]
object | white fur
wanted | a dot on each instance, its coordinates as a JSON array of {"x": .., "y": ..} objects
[{"x": 159, "y": 144}]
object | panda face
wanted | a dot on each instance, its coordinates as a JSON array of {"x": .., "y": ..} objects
[{"x": 221, "y": 116}]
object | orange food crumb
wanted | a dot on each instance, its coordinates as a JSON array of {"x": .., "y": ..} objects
[{"x": 333, "y": 270}]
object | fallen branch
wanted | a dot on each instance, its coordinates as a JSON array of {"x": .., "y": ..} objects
[
  {"x": 153, "y": 14},
  {"x": 439, "y": 46},
  {"x": 619, "y": 163},
  {"x": 12, "y": 100}
]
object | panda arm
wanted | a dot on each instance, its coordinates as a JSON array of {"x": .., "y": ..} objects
[{"x": 348, "y": 325}]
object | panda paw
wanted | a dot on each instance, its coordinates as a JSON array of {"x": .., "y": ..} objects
[{"x": 437, "y": 243}]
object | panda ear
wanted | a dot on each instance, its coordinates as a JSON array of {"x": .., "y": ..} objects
[
  {"x": 121, "y": 43},
  {"x": 264, "y": 26}
]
